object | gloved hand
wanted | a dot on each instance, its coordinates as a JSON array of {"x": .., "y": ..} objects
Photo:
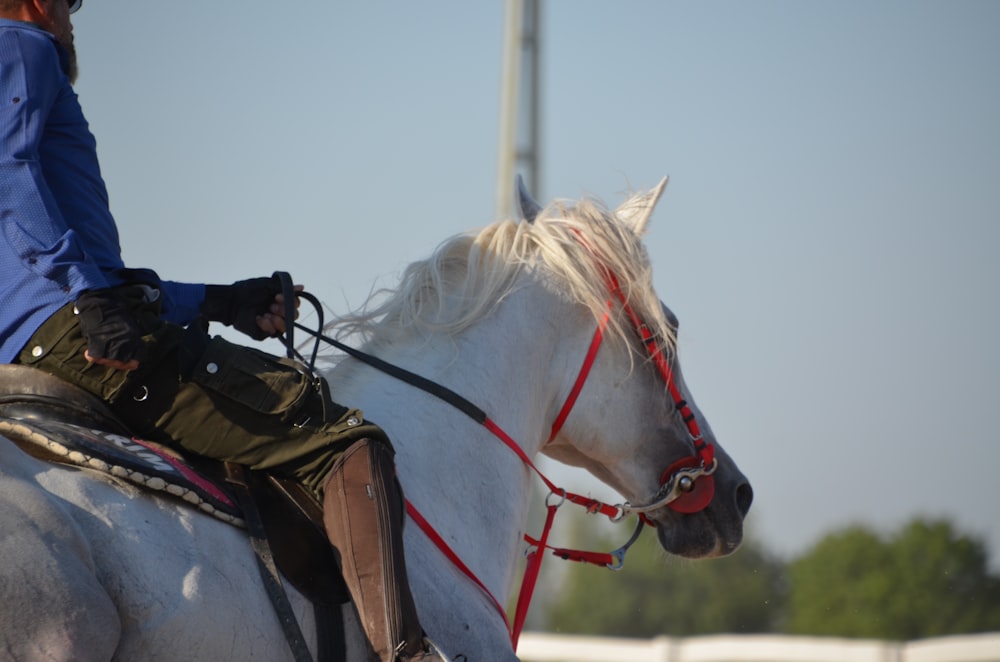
[
  {"x": 241, "y": 304},
  {"x": 113, "y": 336}
]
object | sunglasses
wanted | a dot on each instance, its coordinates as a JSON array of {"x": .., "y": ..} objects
[{"x": 74, "y": 5}]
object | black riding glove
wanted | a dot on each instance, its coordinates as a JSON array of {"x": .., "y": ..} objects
[
  {"x": 240, "y": 304},
  {"x": 110, "y": 328}
]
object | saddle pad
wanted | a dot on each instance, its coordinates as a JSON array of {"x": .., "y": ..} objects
[{"x": 141, "y": 462}]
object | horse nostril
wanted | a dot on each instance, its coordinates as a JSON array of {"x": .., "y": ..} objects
[{"x": 744, "y": 497}]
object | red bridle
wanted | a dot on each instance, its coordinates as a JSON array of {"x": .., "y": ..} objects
[{"x": 687, "y": 485}]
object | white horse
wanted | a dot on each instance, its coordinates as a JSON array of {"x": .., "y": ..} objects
[{"x": 92, "y": 568}]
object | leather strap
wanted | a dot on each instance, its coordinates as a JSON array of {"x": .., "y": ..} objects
[{"x": 236, "y": 476}]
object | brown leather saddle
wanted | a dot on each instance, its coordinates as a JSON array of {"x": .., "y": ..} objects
[{"x": 44, "y": 415}]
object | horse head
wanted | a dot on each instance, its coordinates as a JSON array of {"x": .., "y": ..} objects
[{"x": 645, "y": 436}]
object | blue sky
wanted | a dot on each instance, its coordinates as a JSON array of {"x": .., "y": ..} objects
[{"x": 829, "y": 236}]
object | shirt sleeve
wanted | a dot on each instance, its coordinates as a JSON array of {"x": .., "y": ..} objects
[
  {"x": 182, "y": 301},
  {"x": 33, "y": 226}
]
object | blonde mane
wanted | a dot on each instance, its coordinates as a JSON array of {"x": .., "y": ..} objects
[{"x": 470, "y": 274}]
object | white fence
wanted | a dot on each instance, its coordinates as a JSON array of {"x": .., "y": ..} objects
[{"x": 537, "y": 647}]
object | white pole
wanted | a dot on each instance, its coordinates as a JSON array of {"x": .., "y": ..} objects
[{"x": 509, "y": 83}]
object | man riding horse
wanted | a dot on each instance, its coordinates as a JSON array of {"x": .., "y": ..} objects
[{"x": 70, "y": 307}]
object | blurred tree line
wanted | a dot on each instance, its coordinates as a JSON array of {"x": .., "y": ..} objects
[{"x": 924, "y": 580}]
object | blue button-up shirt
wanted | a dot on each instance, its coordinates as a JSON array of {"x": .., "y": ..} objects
[{"x": 57, "y": 235}]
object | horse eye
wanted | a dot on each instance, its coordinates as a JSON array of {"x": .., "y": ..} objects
[{"x": 672, "y": 320}]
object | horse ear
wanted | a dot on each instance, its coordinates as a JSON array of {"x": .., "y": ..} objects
[
  {"x": 525, "y": 203},
  {"x": 635, "y": 212}
]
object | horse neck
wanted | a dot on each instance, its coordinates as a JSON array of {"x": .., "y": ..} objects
[{"x": 514, "y": 367}]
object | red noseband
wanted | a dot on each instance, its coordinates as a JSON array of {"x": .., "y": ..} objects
[{"x": 695, "y": 494}]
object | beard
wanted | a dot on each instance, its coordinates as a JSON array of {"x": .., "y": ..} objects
[{"x": 70, "y": 66}]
